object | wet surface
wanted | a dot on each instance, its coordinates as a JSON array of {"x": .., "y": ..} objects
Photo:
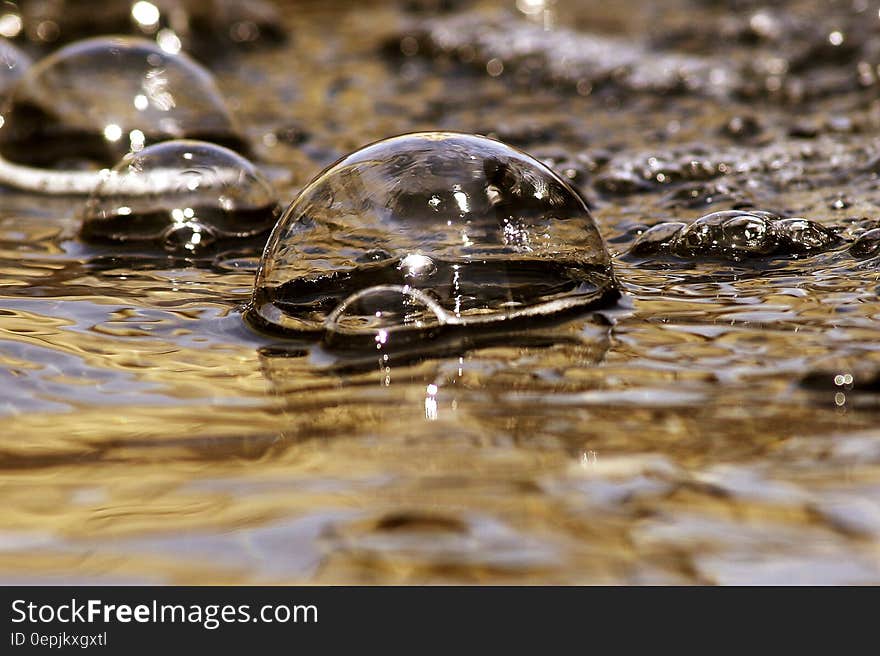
[{"x": 717, "y": 425}]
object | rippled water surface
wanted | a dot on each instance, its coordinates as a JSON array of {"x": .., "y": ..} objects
[{"x": 717, "y": 425}]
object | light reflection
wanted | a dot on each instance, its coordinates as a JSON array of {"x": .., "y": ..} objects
[
  {"x": 169, "y": 41},
  {"x": 145, "y": 13},
  {"x": 431, "y": 410},
  {"x": 462, "y": 200},
  {"x": 456, "y": 290},
  {"x": 112, "y": 132},
  {"x": 539, "y": 11},
  {"x": 416, "y": 265},
  {"x": 589, "y": 459},
  {"x": 10, "y": 25},
  {"x": 155, "y": 86},
  {"x": 136, "y": 139}
]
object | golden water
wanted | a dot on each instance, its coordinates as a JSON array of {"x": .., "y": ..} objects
[{"x": 149, "y": 436}]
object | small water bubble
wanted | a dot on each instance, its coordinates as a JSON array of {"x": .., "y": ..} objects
[
  {"x": 657, "y": 238},
  {"x": 495, "y": 67},
  {"x": 486, "y": 232},
  {"x": 87, "y": 100},
  {"x": 384, "y": 319},
  {"x": 186, "y": 194},
  {"x": 867, "y": 245},
  {"x": 385, "y": 307},
  {"x": 804, "y": 236},
  {"x": 417, "y": 266},
  {"x": 189, "y": 236}
]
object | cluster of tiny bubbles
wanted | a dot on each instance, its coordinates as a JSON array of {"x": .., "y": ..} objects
[
  {"x": 173, "y": 24},
  {"x": 735, "y": 235},
  {"x": 97, "y": 99},
  {"x": 185, "y": 195},
  {"x": 13, "y": 64},
  {"x": 426, "y": 234}
]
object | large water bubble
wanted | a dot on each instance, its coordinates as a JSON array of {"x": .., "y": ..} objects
[
  {"x": 185, "y": 195},
  {"x": 100, "y": 98},
  {"x": 426, "y": 233}
]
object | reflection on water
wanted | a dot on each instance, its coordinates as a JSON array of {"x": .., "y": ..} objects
[{"x": 704, "y": 430}]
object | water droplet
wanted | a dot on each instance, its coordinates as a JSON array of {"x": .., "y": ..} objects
[
  {"x": 95, "y": 98},
  {"x": 185, "y": 194},
  {"x": 486, "y": 232}
]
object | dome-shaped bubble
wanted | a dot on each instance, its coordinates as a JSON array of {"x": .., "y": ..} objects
[
  {"x": 486, "y": 231},
  {"x": 13, "y": 64},
  {"x": 100, "y": 98},
  {"x": 196, "y": 193}
]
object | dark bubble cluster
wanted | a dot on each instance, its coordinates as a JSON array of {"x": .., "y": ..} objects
[{"x": 736, "y": 235}]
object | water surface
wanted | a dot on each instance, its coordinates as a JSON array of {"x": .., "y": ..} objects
[{"x": 150, "y": 436}]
